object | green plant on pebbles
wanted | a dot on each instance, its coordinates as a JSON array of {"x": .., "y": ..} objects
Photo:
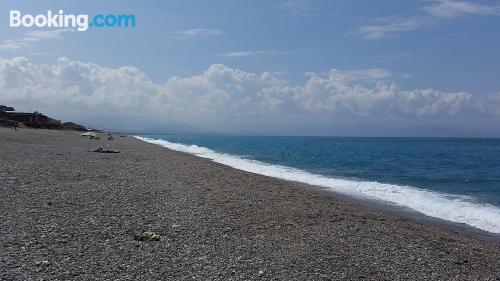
[{"x": 148, "y": 236}]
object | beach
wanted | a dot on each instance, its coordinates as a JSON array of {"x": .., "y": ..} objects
[{"x": 70, "y": 214}]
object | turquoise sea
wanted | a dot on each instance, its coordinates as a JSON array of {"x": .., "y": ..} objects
[{"x": 453, "y": 179}]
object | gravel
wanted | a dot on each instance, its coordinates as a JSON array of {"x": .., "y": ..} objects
[{"x": 69, "y": 214}]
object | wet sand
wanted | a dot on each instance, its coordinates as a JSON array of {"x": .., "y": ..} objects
[{"x": 69, "y": 214}]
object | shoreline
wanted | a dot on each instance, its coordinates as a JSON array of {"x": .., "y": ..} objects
[
  {"x": 216, "y": 222},
  {"x": 379, "y": 205},
  {"x": 361, "y": 198},
  {"x": 413, "y": 215}
]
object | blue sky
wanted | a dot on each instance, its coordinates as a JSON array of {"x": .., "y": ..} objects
[{"x": 446, "y": 46}]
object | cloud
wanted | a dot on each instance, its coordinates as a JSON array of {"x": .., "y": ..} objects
[
  {"x": 196, "y": 32},
  {"x": 390, "y": 25},
  {"x": 253, "y": 53},
  {"x": 395, "y": 55},
  {"x": 29, "y": 39},
  {"x": 372, "y": 74},
  {"x": 297, "y": 8},
  {"x": 231, "y": 100},
  {"x": 432, "y": 14},
  {"x": 453, "y": 9}
]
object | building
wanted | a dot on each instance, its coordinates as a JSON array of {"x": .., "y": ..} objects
[
  {"x": 31, "y": 119},
  {"x": 4, "y": 108}
]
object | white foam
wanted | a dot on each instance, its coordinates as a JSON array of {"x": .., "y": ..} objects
[{"x": 461, "y": 209}]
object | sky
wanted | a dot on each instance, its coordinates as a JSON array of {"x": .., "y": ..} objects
[{"x": 290, "y": 67}]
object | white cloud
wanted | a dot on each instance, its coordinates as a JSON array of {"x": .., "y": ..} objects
[
  {"x": 223, "y": 97},
  {"x": 453, "y": 9},
  {"x": 196, "y": 32},
  {"x": 395, "y": 55},
  {"x": 258, "y": 52},
  {"x": 29, "y": 39},
  {"x": 390, "y": 25},
  {"x": 438, "y": 11},
  {"x": 372, "y": 74},
  {"x": 297, "y": 8}
]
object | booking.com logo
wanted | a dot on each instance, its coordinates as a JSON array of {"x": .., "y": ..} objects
[{"x": 80, "y": 22}]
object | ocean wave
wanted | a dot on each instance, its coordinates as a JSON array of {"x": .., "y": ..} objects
[{"x": 460, "y": 209}]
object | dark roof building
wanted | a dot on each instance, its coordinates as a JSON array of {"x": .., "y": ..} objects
[
  {"x": 4, "y": 108},
  {"x": 31, "y": 119}
]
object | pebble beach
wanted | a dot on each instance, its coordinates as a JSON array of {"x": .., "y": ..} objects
[{"x": 71, "y": 214}]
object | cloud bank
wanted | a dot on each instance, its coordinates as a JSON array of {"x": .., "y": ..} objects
[{"x": 223, "y": 99}]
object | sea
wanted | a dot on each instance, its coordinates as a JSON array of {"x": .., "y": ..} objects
[{"x": 452, "y": 179}]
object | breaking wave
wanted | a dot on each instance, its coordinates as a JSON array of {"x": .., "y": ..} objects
[{"x": 460, "y": 209}]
